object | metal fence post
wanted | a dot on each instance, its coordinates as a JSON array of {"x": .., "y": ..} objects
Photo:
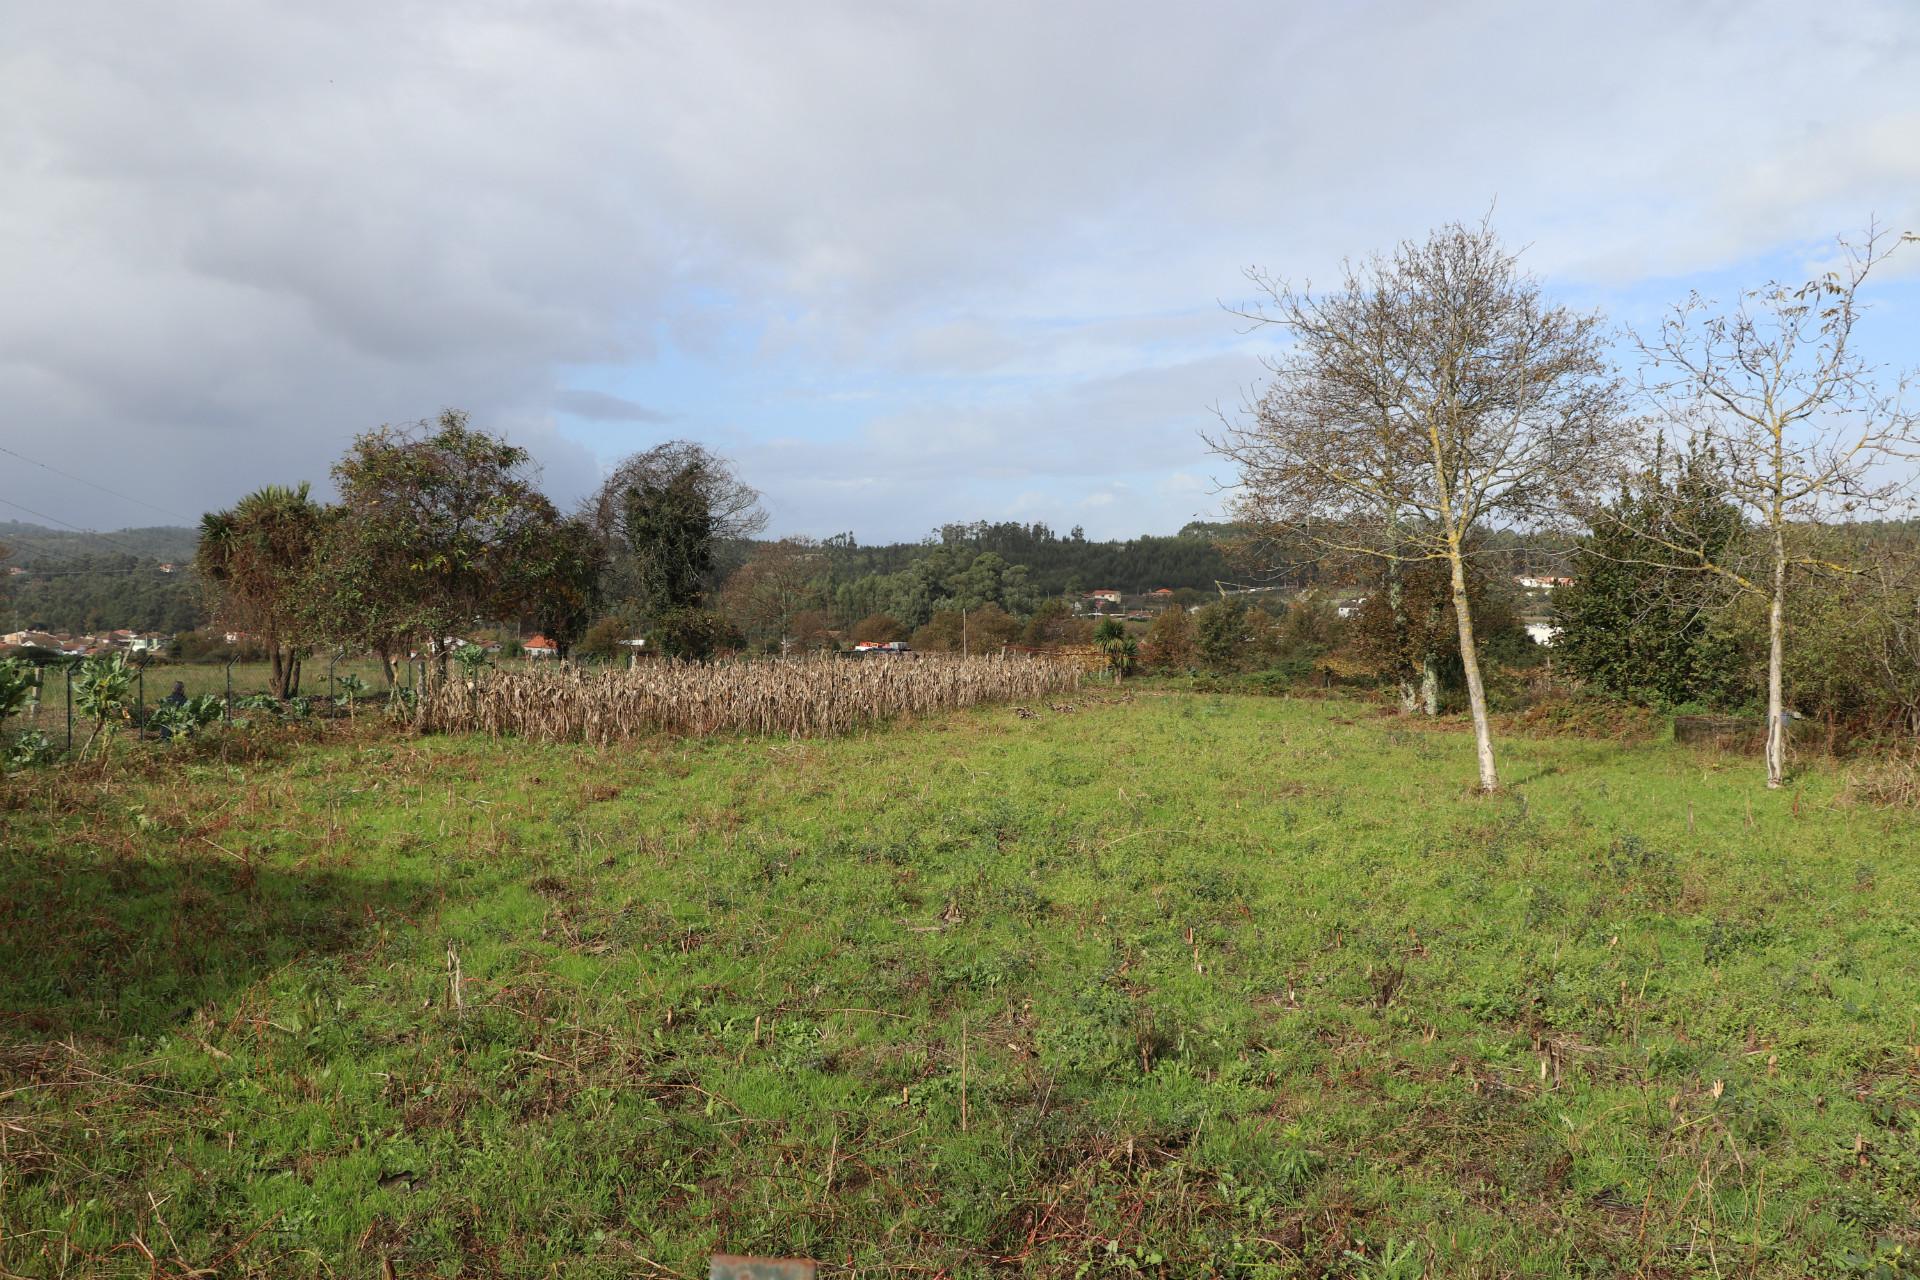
[
  {"x": 230, "y": 662},
  {"x": 140, "y": 703},
  {"x": 69, "y": 671}
]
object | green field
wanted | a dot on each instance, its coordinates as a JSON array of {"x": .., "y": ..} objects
[{"x": 1157, "y": 984}]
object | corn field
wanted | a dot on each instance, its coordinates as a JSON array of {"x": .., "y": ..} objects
[{"x": 795, "y": 697}]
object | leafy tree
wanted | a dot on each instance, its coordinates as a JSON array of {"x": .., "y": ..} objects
[
  {"x": 811, "y": 629},
  {"x": 359, "y": 595},
  {"x": 1855, "y": 662},
  {"x": 676, "y": 520},
  {"x": 256, "y": 559},
  {"x": 451, "y": 530},
  {"x": 1222, "y": 635},
  {"x": 561, "y": 581},
  {"x": 670, "y": 535},
  {"x": 603, "y": 639},
  {"x": 1634, "y": 625}
]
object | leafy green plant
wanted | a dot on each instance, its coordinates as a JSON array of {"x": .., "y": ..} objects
[
  {"x": 102, "y": 686},
  {"x": 185, "y": 719},
  {"x": 17, "y": 687},
  {"x": 30, "y": 750},
  {"x": 472, "y": 659},
  {"x": 351, "y": 687}
]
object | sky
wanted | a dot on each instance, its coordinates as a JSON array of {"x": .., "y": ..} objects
[{"x": 903, "y": 263}]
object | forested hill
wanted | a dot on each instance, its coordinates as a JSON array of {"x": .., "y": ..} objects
[
  {"x": 38, "y": 547},
  {"x": 76, "y": 582},
  {"x": 1057, "y": 562}
]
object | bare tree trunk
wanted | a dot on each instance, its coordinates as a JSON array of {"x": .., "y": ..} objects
[
  {"x": 1430, "y": 663},
  {"x": 1470, "y": 660},
  {"x": 1397, "y": 611},
  {"x": 1776, "y": 660},
  {"x": 277, "y": 681}
]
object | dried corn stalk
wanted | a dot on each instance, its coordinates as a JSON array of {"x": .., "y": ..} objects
[{"x": 799, "y": 697}]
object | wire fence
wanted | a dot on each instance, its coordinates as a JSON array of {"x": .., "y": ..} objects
[{"x": 325, "y": 683}]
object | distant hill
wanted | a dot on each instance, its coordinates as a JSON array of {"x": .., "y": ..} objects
[
  {"x": 32, "y": 544},
  {"x": 71, "y": 581},
  {"x": 1058, "y": 561}
]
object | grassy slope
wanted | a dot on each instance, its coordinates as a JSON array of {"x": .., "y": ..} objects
[{"x": 1249, "y": 986}]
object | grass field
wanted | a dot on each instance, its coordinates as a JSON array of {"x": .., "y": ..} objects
[{"x": 1149, "y": 985}]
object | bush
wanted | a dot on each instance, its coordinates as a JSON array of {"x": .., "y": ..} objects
[
  {"x": 983, "y": 630},
  {"x": 184, "y": 719},
  {"x": 1169, "y": 643},
  {"x": 878, "y": 628},
  {"x": 1054, "y": 625},
  {"x": 30, "y": 750},
  {"x": 695, "y": 635}
]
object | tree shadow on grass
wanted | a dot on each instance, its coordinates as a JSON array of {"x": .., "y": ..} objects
[{"x": 105, "y": 947}]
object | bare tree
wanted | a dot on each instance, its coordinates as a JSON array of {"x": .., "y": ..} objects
[
  {"x": 781, "y": 581},
  {"x": 1429, "y": 392},
  {"x": 1773, "y": 388}
]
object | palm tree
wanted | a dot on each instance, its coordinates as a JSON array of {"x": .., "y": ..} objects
[{"x": 254, "y": 557}]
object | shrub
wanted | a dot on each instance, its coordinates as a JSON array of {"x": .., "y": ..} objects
[
  {"x": 878, "y": 628},
  {"x": 694, "y": 634},
  {"x": 1169, "y": 644}
]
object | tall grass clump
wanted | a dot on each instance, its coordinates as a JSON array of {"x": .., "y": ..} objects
[{"x": 795, "y": 697}]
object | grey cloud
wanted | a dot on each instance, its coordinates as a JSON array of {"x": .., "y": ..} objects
[
  {"x": 235, "y": 235},
  {"x": 602, "y": 406}
]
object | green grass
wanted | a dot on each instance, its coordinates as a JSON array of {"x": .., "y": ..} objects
[{"x": 1162, "y": 985}]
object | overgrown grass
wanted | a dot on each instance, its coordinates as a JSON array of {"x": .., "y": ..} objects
[{"x": 1160, "y": 984}]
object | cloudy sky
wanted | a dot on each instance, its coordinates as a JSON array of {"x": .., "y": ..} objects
[{"x": 903, "y": 262}]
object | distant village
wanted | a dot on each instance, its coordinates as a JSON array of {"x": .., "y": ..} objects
[
  {"x": 144, "y": 643},
  {"x": 1102, "y": 602}
]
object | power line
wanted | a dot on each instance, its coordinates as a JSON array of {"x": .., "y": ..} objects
[
  {"x": 91, "y": 533},
  {"x": 91, "y": 484}
]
